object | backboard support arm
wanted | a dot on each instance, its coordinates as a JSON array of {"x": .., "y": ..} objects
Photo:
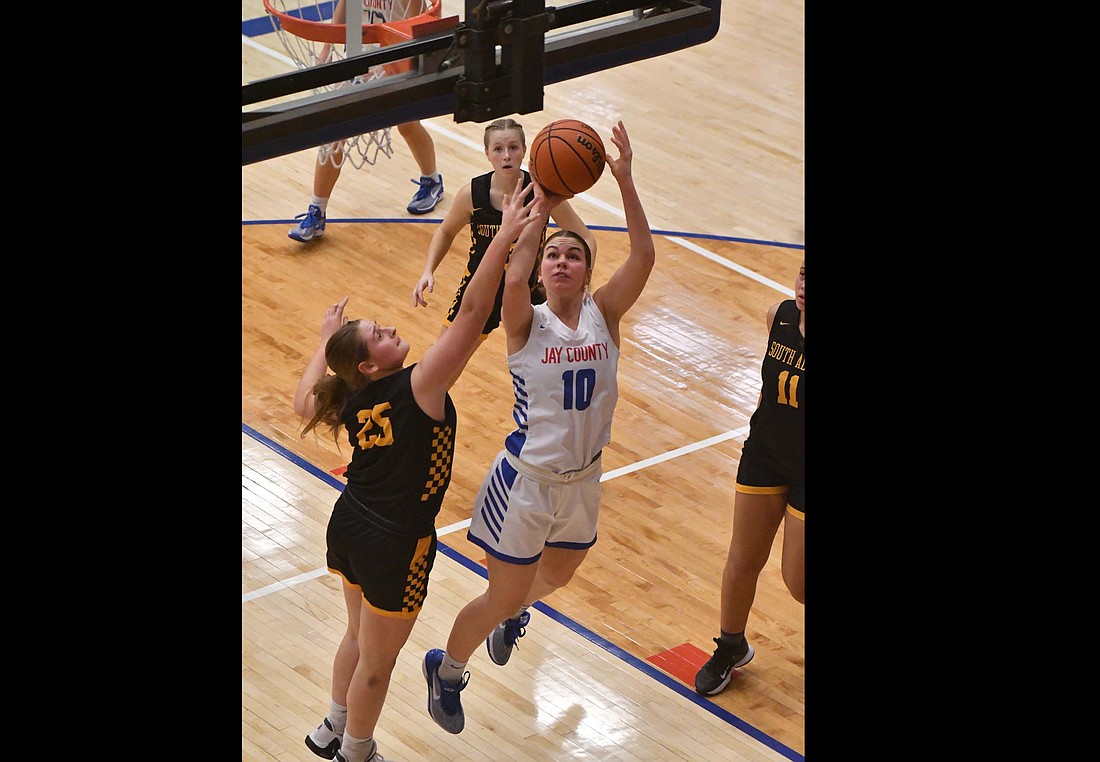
[{"x": 479, "y": 83}]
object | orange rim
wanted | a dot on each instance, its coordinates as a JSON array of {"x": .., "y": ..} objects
[{"x": 336, "y": 34}]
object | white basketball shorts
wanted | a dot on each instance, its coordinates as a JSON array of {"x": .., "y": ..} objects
[{"x": 517, "y": 515}]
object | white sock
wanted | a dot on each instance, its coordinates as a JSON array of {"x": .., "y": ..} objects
[
  {"x": 337, "y": 717},
  {"x": 321, "y": 202},
  {"x": 451, "y": 669},
  {"x": 436, "y": 177},
  {"x": 356, "y": 749},
  {"x": 519, "y": 613}
]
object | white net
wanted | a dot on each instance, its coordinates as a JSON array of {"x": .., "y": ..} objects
[{"x": 363, "y": 149}]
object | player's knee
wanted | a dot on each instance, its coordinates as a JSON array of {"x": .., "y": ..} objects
[
  {"x": 742, "y": 567},
  {"x": 796, "y": 584},
  {"x": 555, "y": 578}
]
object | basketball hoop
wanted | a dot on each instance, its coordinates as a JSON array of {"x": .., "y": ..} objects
[{"x": 310, "y": 41}]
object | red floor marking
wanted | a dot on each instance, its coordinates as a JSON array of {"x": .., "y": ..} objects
[
  {"x": 338, "y": 471},
  {"x": 682, "y": 662}
]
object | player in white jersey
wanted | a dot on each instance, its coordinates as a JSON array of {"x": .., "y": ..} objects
[{"x": 535, "y": 514}]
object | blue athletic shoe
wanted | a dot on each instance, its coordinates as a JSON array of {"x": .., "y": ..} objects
[
  {"x": 428, "y": 195},
  {"x": 313, "y": 226},
  {"x": 444, "y": 703},
  {"x": 503, "y": 639}
]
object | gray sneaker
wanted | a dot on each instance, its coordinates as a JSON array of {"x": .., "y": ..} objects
[
  {"x": 503, "y": 639},
  {"x": 313, "y": 226},
  {"x": 428, "y": 195}
]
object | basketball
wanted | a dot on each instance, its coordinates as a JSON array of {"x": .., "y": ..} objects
[{"x": 567, "y": 157}]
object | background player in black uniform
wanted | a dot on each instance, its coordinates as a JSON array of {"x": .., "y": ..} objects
[
  {"x": 400, "y": 422},
  {"x": 478, "y": 205},
  {"x": 771, "y": 487}
]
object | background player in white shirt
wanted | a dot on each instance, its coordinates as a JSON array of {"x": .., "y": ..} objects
[{"x": 330, "y": 158}]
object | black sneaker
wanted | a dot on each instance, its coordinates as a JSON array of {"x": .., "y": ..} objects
[
  {"x": 375, "y": 756},
  {"x": 327, "y": 741},
  {"x": 714, "y": 676}
]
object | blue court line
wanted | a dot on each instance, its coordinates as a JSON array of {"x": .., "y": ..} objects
[
  {"x": 614, "y": 228},
  {"x": 267, "y": 24},
  {"x": 260, "y": 26},
  {"x": 557, "y": 616}
]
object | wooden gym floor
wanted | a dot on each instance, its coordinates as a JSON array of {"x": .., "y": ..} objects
[{"x": 605, "y": 669}]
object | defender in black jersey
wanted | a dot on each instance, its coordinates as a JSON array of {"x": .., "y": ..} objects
[
  {"x": 400, "y": 422},
  {"x": 770, "y": 488},
  {"x": 478, "y": 205}
]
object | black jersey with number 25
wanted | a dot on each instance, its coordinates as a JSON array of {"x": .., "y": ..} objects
[{"x": 401, "y": 458}]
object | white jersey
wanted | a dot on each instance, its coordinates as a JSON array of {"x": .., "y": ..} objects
[
  {"x": 566, "y": 388},
  {"x": 383, "y": 11},
  {"x": 375, "y": 12}
]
